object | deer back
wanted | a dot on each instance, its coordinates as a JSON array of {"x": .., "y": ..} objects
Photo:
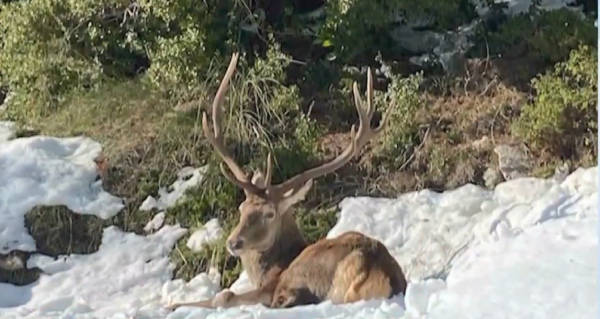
[{"x": 344, "y": 269}]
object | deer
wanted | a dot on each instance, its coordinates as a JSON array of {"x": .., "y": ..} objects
[{"x": 283, "y": 268}]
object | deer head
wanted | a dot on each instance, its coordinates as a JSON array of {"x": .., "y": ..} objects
[{"x": 266, "y": 205}]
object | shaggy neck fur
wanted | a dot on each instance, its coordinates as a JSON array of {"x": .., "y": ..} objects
[{"x": 264, "y": 266}]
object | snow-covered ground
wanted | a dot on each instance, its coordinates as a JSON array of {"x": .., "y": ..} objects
[{"x": 528, "y": 249}]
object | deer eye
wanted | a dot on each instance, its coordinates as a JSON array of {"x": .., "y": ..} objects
[{"x": 269, "y": 215}]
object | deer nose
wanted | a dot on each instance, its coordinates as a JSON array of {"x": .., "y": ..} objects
[{"x": 234, "y": 244}]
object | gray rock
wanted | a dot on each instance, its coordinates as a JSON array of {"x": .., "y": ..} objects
[
  {"x": 430, "y": 47},
  {"x": 561, "y": 172},
  {"x": 513, "y": 161},
  {"x": 492, "y": 177}
]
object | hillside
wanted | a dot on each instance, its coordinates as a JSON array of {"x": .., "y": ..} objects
[
  {"x": 528, "y": 249},
  {"x": 111, "y": 93}
]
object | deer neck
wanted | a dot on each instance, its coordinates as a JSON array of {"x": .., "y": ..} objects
[{"x": 264, "y": 266}]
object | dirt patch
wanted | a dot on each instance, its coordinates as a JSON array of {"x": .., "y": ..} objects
[
  {"x": 58, "y": 231},
  {"x": 20, "y": 277},
  {"x": 13, "y": 269}
]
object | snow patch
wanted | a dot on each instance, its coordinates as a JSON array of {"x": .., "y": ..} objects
[
  {"x": 547, "y": 272},
  {"x": 425, "y": 230},
  {"x": 48, "y": 171},
  {"x": 187, "y": 177},
  {"x": 125, "y": 276},
  {"x": 155, "y": 223},
  {"x": 7, "y": 130},
  {"x": 210, "y": 232}
]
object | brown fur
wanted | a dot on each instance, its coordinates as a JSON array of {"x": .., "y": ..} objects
[
  {"x": 272, "y": 245},
  {"x": 344, "y": 269},
  {"x": 272, "y": 248}
]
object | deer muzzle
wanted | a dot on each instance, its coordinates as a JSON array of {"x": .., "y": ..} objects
[{"x": 234, "y": 245}]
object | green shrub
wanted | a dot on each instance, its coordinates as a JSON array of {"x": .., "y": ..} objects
[
  {"x": 59, "y": 45},
  {"x": 51, "y": 47},
  {"x": 188, "y": 36},
  {"x": 546, "y": 36},
  {"x": 565, "y": 105},
  {"x": 400, "y": 136}
]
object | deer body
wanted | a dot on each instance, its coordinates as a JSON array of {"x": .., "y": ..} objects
[
  {"x": 344, "y": 269},
  {"x": 284, "y": 270}
]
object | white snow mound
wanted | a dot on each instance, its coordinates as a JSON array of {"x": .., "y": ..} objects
[{"x": 48, "y": 171}]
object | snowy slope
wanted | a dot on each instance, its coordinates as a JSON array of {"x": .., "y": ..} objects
[{"x": 528, "y": 249}]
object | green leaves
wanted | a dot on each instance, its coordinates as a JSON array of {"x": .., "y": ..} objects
[
  {"x": 548, "y": 36},
  {"x": 564, "y": 108}
]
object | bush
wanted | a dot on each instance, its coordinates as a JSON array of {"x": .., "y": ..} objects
[
  {"x": 547, "y": 37},
  {"x": 62, "y": 45},
  {"x": 186, "y": 38},
  {"x": 401, "y": 134},
  {"x": 51, "y": 47},
  {"x": 564, "y": 109}
]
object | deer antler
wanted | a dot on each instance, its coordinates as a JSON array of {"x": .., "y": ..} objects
[
  {"x": 237, "y": 176},
  {"x": 358, "y": 140},
  {"x": 216, "y": 139}
]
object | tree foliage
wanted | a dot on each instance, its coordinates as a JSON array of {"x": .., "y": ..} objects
[{"x": 564, "y": 110}]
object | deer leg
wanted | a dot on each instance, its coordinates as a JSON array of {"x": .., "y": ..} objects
[
  {"x": 356, "y": 274},
  {"x": 373, "y": 284},
  {"x": 357, "y": 278},
  {"x": 198, "y": 304},
  {"x": 349, "y": 274},
  {"x": 228, "y": 299}
]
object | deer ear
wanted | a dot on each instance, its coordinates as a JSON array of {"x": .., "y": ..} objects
[{"x": 294, "y": 196}]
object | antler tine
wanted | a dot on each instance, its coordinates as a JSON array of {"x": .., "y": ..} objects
[
  {"x": 216, "y": 139},
  {"x": 371, "y": 109},
  {"x": 268, "y": 171},
  {"x": 367, "y": 133},
  {"x": 299, "y": 180},
  {"x": 358, "y": 140}
]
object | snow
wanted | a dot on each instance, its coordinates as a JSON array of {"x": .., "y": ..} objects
[
  {"x": 48, "y": 171},
  {"x": 155, "y": 223},
  {"x": 6, "y": 130},
  {"x": 209, "y": 233},
  {"x": 187, "y": 177},
  {"x": 125, "y": 275},
  {"x": 555, "y": 263},
  {"x": 424, "y": 230},
  {"x": 527, "y": 249}
]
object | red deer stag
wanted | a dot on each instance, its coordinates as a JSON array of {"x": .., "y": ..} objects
[{"x": 284, "y": 270}]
